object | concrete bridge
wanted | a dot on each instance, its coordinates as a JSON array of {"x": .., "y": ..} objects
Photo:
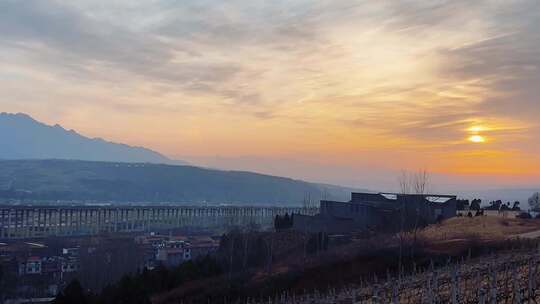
[{"x": 19, "y": 222}]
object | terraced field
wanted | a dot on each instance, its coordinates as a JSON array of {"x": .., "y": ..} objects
[{"x": 512, "y": 277}]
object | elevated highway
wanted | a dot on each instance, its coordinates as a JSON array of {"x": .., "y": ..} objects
[{"x": 20, "y": 222}]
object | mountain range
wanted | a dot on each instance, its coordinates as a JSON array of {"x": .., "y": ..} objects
[
  {"x": 39, "y": 162},
  {"x": 22, "y": 137}
]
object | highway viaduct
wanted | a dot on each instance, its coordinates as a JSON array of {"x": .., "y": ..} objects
[{"x": 26, "y": 222}]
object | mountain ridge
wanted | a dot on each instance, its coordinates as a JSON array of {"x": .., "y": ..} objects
[
  {"x": 40, "y": 162},
  {"x": 75, "y": 180},
  {"x": 23, "y": 137}
]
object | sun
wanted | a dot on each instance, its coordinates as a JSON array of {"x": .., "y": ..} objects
[{"x": 477, "y": 139}]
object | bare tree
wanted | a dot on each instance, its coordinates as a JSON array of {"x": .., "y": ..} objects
[
  {"x": 270, "y": 252},
  {"x": 420, "y": 182},
  {"x": 414, "y": 182},
  {"x": 411, "y": 183},
  {"x": 231, "y": 254},
  {"x": 247, "y": 234},
  {"x": 308, "y": 204},
  {"x": 534, "y": 202},
  {"x": 404, "y": 180},
  {"x": 325, "y": 194},
  {"x": 404, "y": 185}
]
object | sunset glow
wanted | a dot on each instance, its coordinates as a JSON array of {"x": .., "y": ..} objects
[
  {"x": 375, "y": 86},
  {"x": 477, "y": 139},
  {"x": 157, "y": 151},
  {"x": 477, "y": 129}
]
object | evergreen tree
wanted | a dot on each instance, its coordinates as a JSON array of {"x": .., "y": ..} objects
[{"x": 72, "y": 294}]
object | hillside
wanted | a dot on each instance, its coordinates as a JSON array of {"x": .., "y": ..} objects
[
  {"x": 142, "y": 182},
  {"x": 22, "y": 137},
  {"x": 364, "y": 262}
]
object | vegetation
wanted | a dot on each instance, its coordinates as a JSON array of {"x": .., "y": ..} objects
[
  {"x": 509, "y": 277},
  {"x": 283, "y": 222},
  {"x": 241, "y": 251},
  {"x": 359, "y": 261},
  {"x": 73, "y": 293},
  {"x": 104, "y": 181},
  {"x": 8, "y": 282},
  {"x": 476, "y": 204},
  {"x": 260, "y": 264},
  {"x": 138, "y": 288},
  {"x": 534, "y": 201},
  {"x": 497, "y": 205}
]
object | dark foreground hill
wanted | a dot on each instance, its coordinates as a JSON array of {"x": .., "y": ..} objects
[{"x": 140, "y": 182}]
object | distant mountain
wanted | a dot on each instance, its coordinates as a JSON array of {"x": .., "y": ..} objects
[
  {"x": 22, "y": 137},
  {"x": 138, "y": 182}
]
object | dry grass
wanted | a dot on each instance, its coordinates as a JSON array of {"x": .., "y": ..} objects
[
  {"x": 345, "y": 264},
  {"x": 482, "y": 227}
]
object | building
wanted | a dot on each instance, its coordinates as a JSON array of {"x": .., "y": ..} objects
[
  {"x": 70, "y": 264},
  {"x": 203, "y": 246},
  {"x": 172, "y": 250},
  {"x": 70, "y": 260},
  {"x": 378, "y": 212},
  {"x": 51, "y": 265},
  {"x": 74, "y": 252},
  {"x": 177, "y": 251},
  {"x": 30, "y": 265},
  {"x": 174, "y": 253}
]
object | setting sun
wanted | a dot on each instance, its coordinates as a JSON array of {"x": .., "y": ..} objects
[{"x": 477, "y": 139}]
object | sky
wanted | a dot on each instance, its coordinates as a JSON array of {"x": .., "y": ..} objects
[{"x": 343, "y": 92}]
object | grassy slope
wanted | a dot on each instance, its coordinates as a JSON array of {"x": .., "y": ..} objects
[{"x": 485, "y": 227}]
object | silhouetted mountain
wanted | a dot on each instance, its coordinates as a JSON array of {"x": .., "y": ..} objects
[
  {"x": 138, "y": 182},
  {"x": 22, "y": 137}
]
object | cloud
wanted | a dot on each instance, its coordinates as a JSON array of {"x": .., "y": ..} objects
[
  {"x": 62, "y": 37},
  {"x": 509, "y": 65},
  {"x": 410, "y": 75}
]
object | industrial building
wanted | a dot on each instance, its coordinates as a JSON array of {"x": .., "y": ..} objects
[{"x": 378, "y": 212}]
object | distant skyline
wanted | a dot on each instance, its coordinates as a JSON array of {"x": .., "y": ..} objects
[{"x": 344, "y": 92}]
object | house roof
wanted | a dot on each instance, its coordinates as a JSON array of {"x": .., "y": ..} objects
[
  {"x": 33, "y": 258},
  {"x": 388, "y": 200},
  {"x": 433, "y": 198},
  {"x": 439, "y": 199}
]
